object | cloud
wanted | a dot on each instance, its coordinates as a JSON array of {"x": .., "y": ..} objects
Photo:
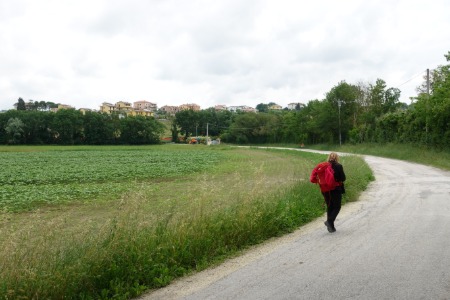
[{"x": 229, "y": 52}]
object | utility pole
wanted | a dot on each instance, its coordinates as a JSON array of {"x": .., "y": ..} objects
[
  {"x": 428, "y": 104},
  {"x": 208, "y": 141}
]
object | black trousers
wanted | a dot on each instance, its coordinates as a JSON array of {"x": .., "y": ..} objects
[{"x": 333, "y": 199}]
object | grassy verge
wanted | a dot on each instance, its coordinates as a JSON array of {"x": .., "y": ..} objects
[
  {"x": 413, "y": 153},
  {"x": 162, "y": 229}
]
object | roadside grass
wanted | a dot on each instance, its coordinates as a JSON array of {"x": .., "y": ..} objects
[
  {"x": 439, "y": 158},
  {"x": 407, "y": 152},
  {"x": 164, "y": 228}
]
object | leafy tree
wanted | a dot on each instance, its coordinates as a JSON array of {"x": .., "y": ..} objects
[
  {"x": 14, "y": 130},
  {"x": 391, "y": 100},
  {"x": 320, "y": 126},
  {"x": 141, "y": 130},
  {"x": 174, "y": 131},
  {"x": 37, "y": 127},
  {"x": 254, "y": 128},
  {"x": 262, "y": 107},
  {"x": 434, "y": 109},
  {"x": 188, "y": 122},
  {"x": 215, "y": 122},
  {"x": 376, "y": 97},
  {"x": 342, "y": 109},
  {"x": 97, "y": 128},
  {"x": 293, "y": 129},
  {"x": 21, "y": 104},
  {"x": 388, "y": 127},
  {"x": 67, "y": 127},
  {"x": 372, "y": 101}
]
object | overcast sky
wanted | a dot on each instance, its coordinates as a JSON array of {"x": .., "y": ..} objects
[{"x": 232, "y": 52}]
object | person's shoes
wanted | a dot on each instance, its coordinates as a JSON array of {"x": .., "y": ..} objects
[{"x": 330, "y": 229}]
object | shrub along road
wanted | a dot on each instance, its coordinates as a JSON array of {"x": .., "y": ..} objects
[{"x": 392, "y": 244}]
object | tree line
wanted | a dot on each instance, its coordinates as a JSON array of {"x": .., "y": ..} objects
[
  {"x": 35, "y": 105},
  {"x": 72, "y": 127},
  {"x": 350, "y": 113}
]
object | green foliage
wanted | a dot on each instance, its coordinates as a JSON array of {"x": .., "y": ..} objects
[
  {"x": 67, "y": 127},
  {"x": 262, "y": 107},
  {"x": 141, "y": 130},
  {"x": 21, "y": 104},
  {"x": 174, "y": 132},
  {"x": 194, "y": 123},
  {"x": 97, "y": 129},
  {"x": 255, "y": 128},
  {"x": 14, "y": 130},
  {"x": 363, "y": 113},
  {"x": 187, "y": 121},
  {"x": 71, "y": 127}
]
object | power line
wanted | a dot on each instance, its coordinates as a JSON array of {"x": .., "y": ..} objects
[{"x": 415, "y": 76}]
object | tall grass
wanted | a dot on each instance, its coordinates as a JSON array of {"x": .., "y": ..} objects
[
  {"x": 439, "y": 158},
  {"x": 164, "y": 229}
]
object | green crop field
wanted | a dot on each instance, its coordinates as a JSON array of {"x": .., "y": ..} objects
[
  {"x": 30, "y": 179},
  {"x": 112, "y": 222}
]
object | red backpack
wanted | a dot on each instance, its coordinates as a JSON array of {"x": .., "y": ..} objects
[{"x": 323, "y": 174}]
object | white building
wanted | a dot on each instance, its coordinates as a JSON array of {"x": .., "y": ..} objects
[{"x": 293, "y": 106}]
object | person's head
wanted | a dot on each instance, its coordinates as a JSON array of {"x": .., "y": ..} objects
[{"x": 333, "y": 157}]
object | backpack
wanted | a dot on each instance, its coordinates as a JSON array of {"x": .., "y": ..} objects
[{"x": 323, "y": 174}]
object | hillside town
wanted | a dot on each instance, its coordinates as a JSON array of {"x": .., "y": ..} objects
[{"x": 150, "y": 109}]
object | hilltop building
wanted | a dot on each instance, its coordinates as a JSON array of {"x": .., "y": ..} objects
[
  {"x": 145, "y": 105},
  {"x": 61, "y": 106},
  {"x": 220, "y": 107},
  {"x": 188, "y": 106},
  {"x": 139, "y": 108},
  {"x": 84, "y": 110},
  {"x": 295, "y": 105},
  {"x": 170, "y": 110},
  {"x": 275, "y": 107},
  {"x": 243, "y": 108}
]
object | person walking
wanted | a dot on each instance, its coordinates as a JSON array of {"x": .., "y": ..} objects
[{"x": 332, "y": 189}]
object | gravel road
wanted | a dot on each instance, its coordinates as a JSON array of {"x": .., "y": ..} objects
[{"x": 394, "y": 243}]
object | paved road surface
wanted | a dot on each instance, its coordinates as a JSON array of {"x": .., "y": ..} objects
[{"x": 392, "y": 244}]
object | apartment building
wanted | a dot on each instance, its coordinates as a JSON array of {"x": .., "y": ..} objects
[
  {"x": 61, "y": 106},
  {"x": 243, "y": 108},
  {"x": 145, "y": 105},
  {"x": 170, "y": 110},
  {"x": 188, "y": 106},
  {"x": 107, "y": 107},
  {"x": 123, "y": 106},
  {"x": 139, "y": 108},
  {"x": 141, "y": 112},
  {"x": 275, "y": 107},
  {"x": 220, "y": 107}
]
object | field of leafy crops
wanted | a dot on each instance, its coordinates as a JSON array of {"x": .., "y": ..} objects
[{"x": 31, "y": 179}]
